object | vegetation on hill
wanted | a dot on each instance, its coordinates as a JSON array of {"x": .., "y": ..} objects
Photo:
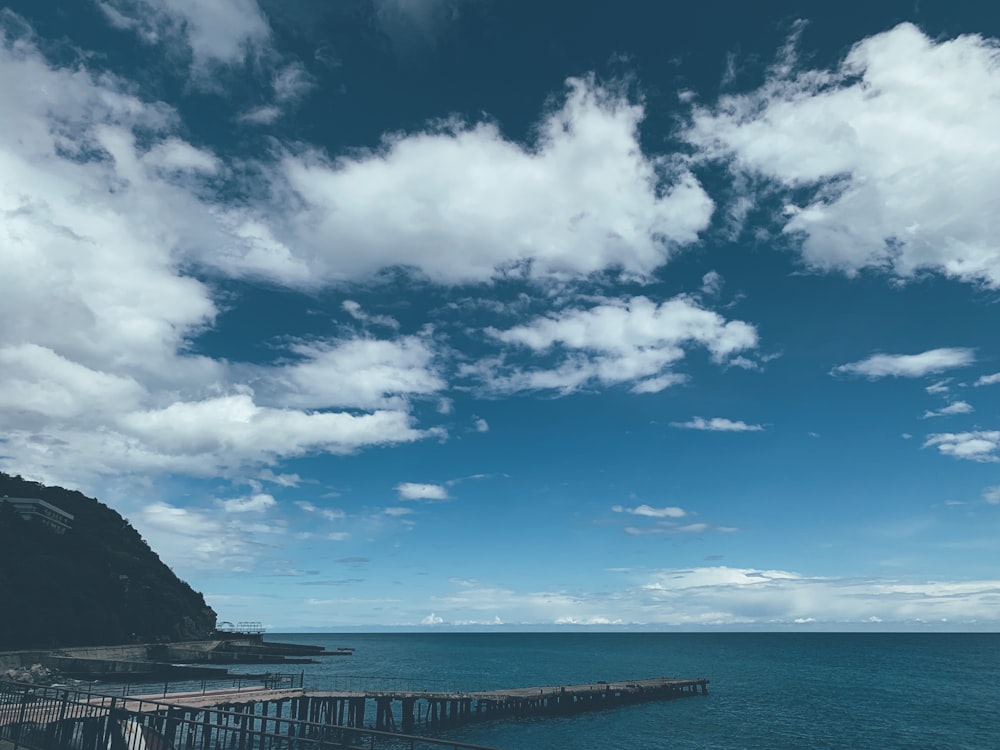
[{"x": 98, "y": 583}]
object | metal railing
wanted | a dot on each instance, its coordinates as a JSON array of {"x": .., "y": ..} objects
[
  {"x": 51, "y": 718},
  {"x": 236, "y": 682}
]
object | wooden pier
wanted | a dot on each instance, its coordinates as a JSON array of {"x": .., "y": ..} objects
[
  {"x": 267, "y": 718},
  {"x": 406, "y": 710}
]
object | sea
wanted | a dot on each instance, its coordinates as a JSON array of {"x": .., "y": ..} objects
[{"x": 767, "y": 691}]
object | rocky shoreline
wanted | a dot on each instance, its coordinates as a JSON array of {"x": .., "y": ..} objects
[{"x": 36, "y": 674}]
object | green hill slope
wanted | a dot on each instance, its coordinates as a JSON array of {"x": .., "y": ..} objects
[{"x": 98, "y": 583}]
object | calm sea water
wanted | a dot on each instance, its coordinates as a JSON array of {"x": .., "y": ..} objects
[{"x": 768, "y": 691}]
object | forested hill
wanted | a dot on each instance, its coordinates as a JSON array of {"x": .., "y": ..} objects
[{"x": 97, "y": 583}]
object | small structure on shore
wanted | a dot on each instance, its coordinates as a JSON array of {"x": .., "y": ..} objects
[
  {"x": 35, "y": 509},
  {"x": 253, "y": 631}
]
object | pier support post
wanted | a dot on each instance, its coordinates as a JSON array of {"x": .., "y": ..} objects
[{"x": 408, "y": 704}]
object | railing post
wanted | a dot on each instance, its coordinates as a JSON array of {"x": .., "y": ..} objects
[{"x": 20, "y": 720}]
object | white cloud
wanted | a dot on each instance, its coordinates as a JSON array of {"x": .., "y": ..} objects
[
  {"x": 234, "y": 426},
  {"x": 724, "y": 596},
  {"x": 432, "y": 619},
  {"x": 908, "y": 365},
  {"x": 957, "y": 407},
  {"x": 717, "y": 424},
  {"x": 196, "y": 539},
  {"x": 175, "y": 155},
  {"x": 939, "y": 387},
  {"x": 992, "y": 495},
  {"x": 673, "y": 528},
  {"x": 481, "y": 425},
  {"x": 731, "y": 595},
  {"x": 353, "y": 309},
  {"x": 40, "y": 381},
  {"x": 980, "y": 445},
  {"x": 359, "y": 373},
  {"x": 584, "y": 198},
  {"x": 256, "y": 503},
  {"x": 988, "y": 379},
  {"x": 104, "y": 207},
  {"x": 711, "y": 283},
  {"x": 291, "y": 82},
  {"x": 417, "y": 491},
  {"x": 214, "y": 31},
  {"x": 265, "y": 114},
  {"x": 898, "y": 145},
  {"x": 632, "y": 340},
  {"x": 651, "y": 512}
]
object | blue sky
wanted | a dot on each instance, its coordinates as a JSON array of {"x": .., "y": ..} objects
[{"x": 461, "y": 313}]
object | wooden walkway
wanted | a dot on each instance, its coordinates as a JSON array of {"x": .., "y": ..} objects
[
  {"x": 409, "y": 709},
  {"x": 263, "y": 718}
]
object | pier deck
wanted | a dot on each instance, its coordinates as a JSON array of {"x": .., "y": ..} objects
[
  {"x": 267, "y": 717},
  {"x": 430, "y": 708}
]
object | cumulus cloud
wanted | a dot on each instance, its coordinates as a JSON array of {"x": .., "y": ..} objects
[
  {"x": 908, "y": 365},
  {"x": 633, "y": 340},
  {"x": 711, "y": 283},
  {"x": 105, "y": 207},
  {"x": 235, "y": 425},
  {"x": 978, "y": 445},
  {"x": 583, "y": 198},
  {"x": 895, "y": 146},
  {"x": 988, "y": 379},
  {"x": 359, "y": 373},
  {"x": 717, "y": 424},
  {"x": 418, "y": 491}
]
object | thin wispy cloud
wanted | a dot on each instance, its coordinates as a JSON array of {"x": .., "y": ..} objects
[
  {"x": 717, "y": 424},
  {"x": 908, "y": 365},
  {"x": 668, "y": 511},
  {"x": 956, "y": 407}
]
